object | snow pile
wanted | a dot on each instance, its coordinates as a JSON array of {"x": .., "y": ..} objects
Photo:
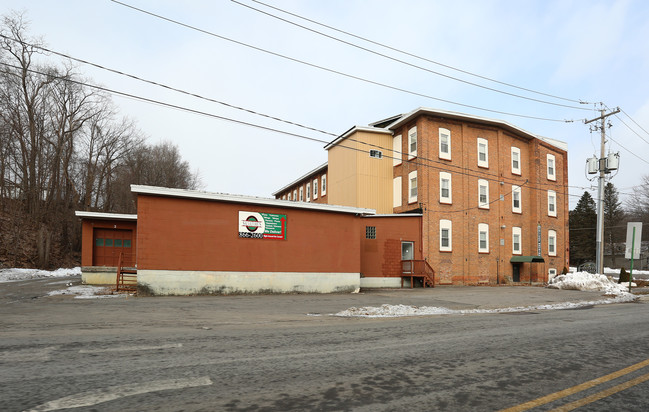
[
  {"x": 85, "y": 292},
  {"x": 12, "y": 275},
  {"x": 395, "y": 311},
  {"x": 588, "y": 281}
]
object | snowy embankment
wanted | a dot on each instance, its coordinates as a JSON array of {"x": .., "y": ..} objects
[
  {"x": 572, "y": 281},
  {"x": 14, "y": 275}
]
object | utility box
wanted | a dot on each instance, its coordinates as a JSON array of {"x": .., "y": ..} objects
[
  {"x": 613, "y": 161},
  {"x": 591, "y": 165}
]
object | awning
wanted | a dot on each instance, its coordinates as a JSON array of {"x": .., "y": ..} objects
[{"x": 521, "y": 259}]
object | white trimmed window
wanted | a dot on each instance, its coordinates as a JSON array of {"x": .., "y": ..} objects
[
  {"x": 516, "y": 200},
  {"x": 301, "y": 193},
  {"x": 324, "y": 185},
  {"x": 552, "y": 272},
  {"x": 412, "y": 187},
  {"x": 444, "y": 144},
  {"x": 396, "y": 150},
  {"x": 552, "y": 242},
  {"x": 552, "y": 203},
  {"x": 412, "y": 143},
  {"x": 445, "y": 235},
  {"x": 552, "y": 172},
  {"x": 315, "y": 189},
  {"x": 308, "y": 192},
  {"x": 295, "y": 195},
  {"x": 516, "y": 160},
  {"x": 516, "y": 241},
  {"x": 396, "y": 192},
  {"x": 445, "y": 189},
  {"x": 289, "y": 196},
  {"x": 483, "y": 194},
  {"x": 483, "y": 238},
  {"x": 483, "y": 152}
]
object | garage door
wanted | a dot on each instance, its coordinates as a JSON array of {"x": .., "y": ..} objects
[{"x": 108, "y": 243}]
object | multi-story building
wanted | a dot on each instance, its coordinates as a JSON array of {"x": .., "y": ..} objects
[{"x": 493, "y": 198}]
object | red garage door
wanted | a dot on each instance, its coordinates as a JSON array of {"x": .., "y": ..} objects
[{"x": 108, "y": 243}]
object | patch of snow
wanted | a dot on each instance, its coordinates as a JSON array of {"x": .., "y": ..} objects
[
  {"x": 14, "y": 275},
  {"x": 85, "y": 292},
  {"x": 587, "y": 281}
]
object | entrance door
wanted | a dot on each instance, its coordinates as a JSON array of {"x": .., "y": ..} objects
[
  {"x": 407, "y": 253},
  {"x": 107, "y": 245},
  {"x": 516, "y": 273}
]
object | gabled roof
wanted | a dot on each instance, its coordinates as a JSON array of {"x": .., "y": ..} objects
[
  {"x": 223, "y": 197},
  {"x": 317, "y": 170},
  {"x": 354, "y": 130}
]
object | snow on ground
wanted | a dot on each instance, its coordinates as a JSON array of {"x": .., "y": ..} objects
[
  {"x": 588, "y": 281},
  {"x": 86, "y": 292},
  {"x": 13, "y": 275}
]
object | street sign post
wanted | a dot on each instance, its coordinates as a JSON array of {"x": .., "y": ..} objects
[{"x": 633, "y": 245}]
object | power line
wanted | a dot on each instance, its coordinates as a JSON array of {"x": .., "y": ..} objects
[
  {"x": 405, "y": 62},
  {"x": 399, "y": 50},
  {"x": 643, "y": 129},
  {"x": 376, "y": 83}
]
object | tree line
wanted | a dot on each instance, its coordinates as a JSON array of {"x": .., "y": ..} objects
[{"x": 64, "y": 147}]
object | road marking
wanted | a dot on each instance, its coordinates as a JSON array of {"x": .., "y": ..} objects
[
  {"x": 132, "y": 348},
  {"x": 25, "y": 355},
  {"x": 603, "y": 394},
  {"x": 94, "y": 397},
  {"x": 578, "y": 388}
]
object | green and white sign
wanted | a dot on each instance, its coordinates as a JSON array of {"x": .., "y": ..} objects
[{"x": 258, "y": 225}]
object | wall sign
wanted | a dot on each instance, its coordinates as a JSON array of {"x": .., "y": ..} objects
[{"x": 262, "y": 225}]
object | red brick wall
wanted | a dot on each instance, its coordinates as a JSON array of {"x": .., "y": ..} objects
[
  {"x": 382, "y": 256},
  {"x": 87, "y": 228}
]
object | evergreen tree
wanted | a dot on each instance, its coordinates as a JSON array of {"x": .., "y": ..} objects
[
  {"x": 583, "y": 230},
  {"x": 613, "y": 219}
]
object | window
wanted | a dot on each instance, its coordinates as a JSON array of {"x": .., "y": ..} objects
[
  {"x": 396, "y": 192},
  {"x": 412, "y": 143},
  {"x": 445, "y": 192},
  {"x": 551, "y": 167},
  {"x": 444, "y": 144},
  {"x": 118, "y": 242},
  {"x": 109, "y": 243},
  {"x": 301, "y": 193},
  {"x": 516, "y": 160},
  {"x": 412, "y": 187},
  {"x": 516, "y": 199},
  {"x": 289, "y": 196},
  {"x": 483, "y": 238},
  {"x": 552, "y": 203},
  {"x": 396, "y": 151},
  {"x": 324, "y": 185},
  {"x": 295, "y": 195},
  {"x": 370, "y": 232},
  {"x": 483, "y": 194},
  {"x": 552, "y": 273},
  {"x": 315, "y": 189},
  {"x": 445, "y": 235},
  {"x": 483, "y": 152},
  {"x": 377, "y": 154},
  {"x": 99, "y": 242},
  {"x": 516, "y": 240},
  {"x": 308, "y": 191},
  {"x": 552, "y": 242},
  {"x": 127, "y": 242}
]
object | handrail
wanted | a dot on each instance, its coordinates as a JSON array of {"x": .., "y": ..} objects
[{"x": 422, "y": 268}]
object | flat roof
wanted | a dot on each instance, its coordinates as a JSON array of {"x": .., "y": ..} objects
[
  {"x": 354, "y": 130},
  {"x": 104, "y": 216},
  {"x": 299, "y": 179},
  {"x": 397, "y": 215},
  {"x": 223, "y": 197}
]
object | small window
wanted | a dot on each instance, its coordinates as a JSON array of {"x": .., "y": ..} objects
[
  {"x": 445, "y": 189},
  {"x": 412, "y": 187},
  {"x": 370, "y": 232},
  {"x": 377, "y": 154},
  {"x": 552, "y": 272},
  {"x": 445, "y": 235},
  {"x": 516, "y": 199},
  {"x": 444, "y": 144},
  {"x": 483, "y": 153},
  {"x": 552, "y": 242},
  {"x": 315, "y": 189},
  {"x": 516, "y": 240},
  {"x": 396, "y": 192},
  {"x": 289, "y": 196},
  {"x": 552, "y": 203},
  {"x": 118, "y": 242},
  {"x": 295, "y": 195},
  {"x": 308, "y": 191},
  {"x": 412, "y": 143},
  {"x": 324, "y": 185},
  {"x": 483, "y": 238},
  {"x": 301, "y": 193},
  {"x": 483, "y": 194},
  {"x": 516, "y": 160},
  {"x": 551, "y": 167},
  {"x": 109, "y": 243},
  {"x": 396, "y": 150},
  {"x": 99, "y": 242},
  {"x": 127, "y": 242}
]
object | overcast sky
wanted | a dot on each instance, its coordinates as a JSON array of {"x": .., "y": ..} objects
[{"x": 593, "y": 51}]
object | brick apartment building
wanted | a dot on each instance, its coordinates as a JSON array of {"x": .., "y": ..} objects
[{"x": 493, "y": 198}]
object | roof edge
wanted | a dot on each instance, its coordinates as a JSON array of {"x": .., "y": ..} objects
[
  {"x": 314, "y": 171},
  {"x": 354, "y": 130},
  {"x": 104, "y": 216}
]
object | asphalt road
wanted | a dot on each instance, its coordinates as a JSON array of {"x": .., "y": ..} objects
[{"x": 286, "y": 353}]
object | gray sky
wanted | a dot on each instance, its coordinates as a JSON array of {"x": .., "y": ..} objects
[{"x": 594, "y": 51}]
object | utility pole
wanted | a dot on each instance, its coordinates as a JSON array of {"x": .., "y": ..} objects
[{"x": 603, "y": 168}]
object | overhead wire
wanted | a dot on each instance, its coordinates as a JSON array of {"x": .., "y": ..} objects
[
  {"x": 359, "y": 78},
  {"x": 405, "y": 62}
]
